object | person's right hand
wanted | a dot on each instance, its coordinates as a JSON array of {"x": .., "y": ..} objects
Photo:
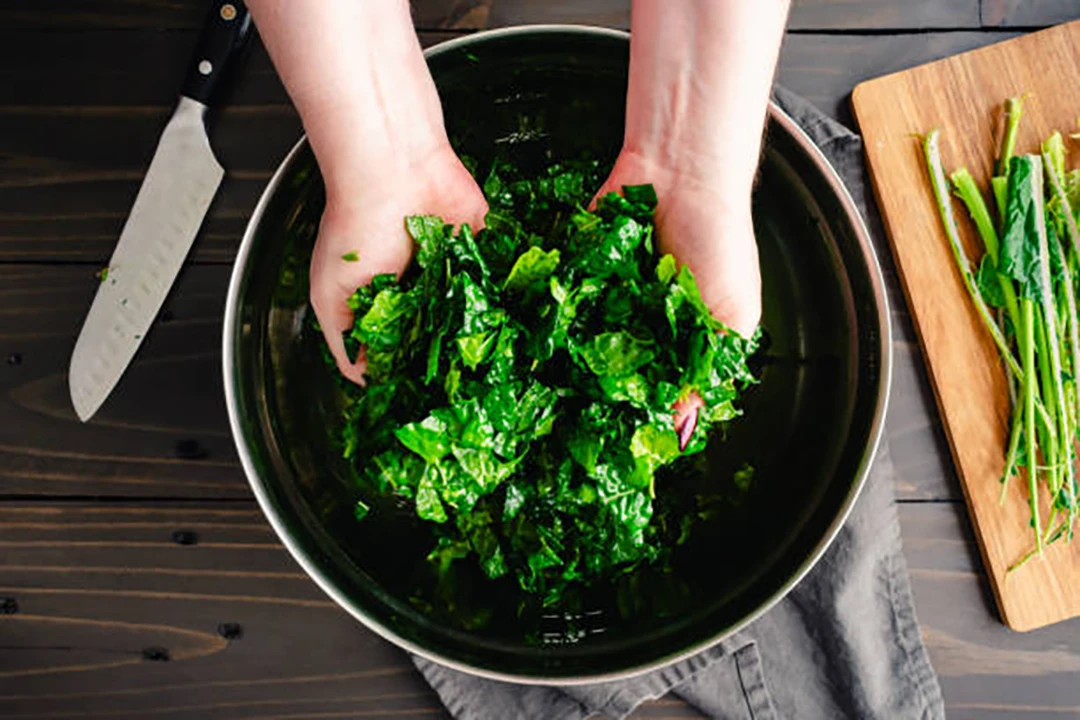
[{"x": 370, "y": 221}]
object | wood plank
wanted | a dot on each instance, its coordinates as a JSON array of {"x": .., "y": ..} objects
[
  {"x": 918, "y": 447},
  {"x": 96, "y": 585},
  {"x": 986, "y": 670},
  {"x": 116, "y": 618},
  {"x": 964, "y": 94},
  {"x": 162, "y": 433},
  {"x": 883, "y": 14},
  {"x": 87, "y": 75},
  {"x": 824, "y": 68},
  {"x": 93, "y": 68},
  {"x": 79, "y": 134},
  {"x": 1028, "y": 13}
]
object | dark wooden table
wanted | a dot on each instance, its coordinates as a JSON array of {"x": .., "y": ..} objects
[{"x": 137, "y": 576}]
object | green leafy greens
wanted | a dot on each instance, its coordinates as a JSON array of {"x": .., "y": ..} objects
[
  {"x": 521, "y": 382},
  {"x": 1027, "y": 273}
]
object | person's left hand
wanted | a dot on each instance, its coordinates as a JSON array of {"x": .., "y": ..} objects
[
  {"x": 707, "y": 227},
  {"x": 705, "y": 224}
]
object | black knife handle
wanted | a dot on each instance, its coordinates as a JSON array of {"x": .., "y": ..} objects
[{"x": 227, "y": 30}]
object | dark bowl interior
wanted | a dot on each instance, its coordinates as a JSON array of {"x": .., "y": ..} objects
[{"x": 808, "y": 430}]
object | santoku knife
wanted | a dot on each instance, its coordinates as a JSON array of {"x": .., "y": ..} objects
[{"x": 183, "y": 177}]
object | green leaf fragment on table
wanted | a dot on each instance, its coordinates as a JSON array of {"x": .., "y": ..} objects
[{"x": 352, "y": 256}]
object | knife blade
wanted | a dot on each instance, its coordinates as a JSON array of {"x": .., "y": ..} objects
[{"x": 175, "y": 195}]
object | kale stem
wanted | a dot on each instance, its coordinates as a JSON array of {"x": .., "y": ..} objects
[
  {"x": 999, "y": 184},
  {"x": 965, "y": 188},
  {"x": 1014, "y": 109},
  {"x": 1047, "y": 442},
  {"x": 1027, "y": 322},
  {"x": 999, "y": 187},
  {"x": 968, "y": 192},
  {"x": 1073, "y": 233},
  {"x": 1051, "y": 537},
  {"x": 1015, "y": 434},
  {"x": 940, "y": 185},
  {"x": 1050, "y": 322}
]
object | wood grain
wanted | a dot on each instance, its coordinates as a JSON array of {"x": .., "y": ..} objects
[
  {"x": 851, "y": 59},
  {"x": 115, "y": 618},
  {"x": 805, "y": 14},
  {"x": 1029, "y": 13},
  {"x": 986, "y": 670},
  {"x": 132, "y": 448},
  {"x": 962, "y": 95},
  {"x": 98, "y": 585}
]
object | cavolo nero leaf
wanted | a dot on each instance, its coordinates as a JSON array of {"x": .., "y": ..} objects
[
  {"x": 986, "y": 280},
  {"x": 533, "y": 266},
  {"x": 521, "y": 384},
  {"x": 1019, "y": 241},
  {"x": 615, "y": 354}
]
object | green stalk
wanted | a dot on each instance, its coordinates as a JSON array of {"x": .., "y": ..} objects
[
  {"x": 1050, "y": 538},
  {"x": 1073, "y": 232},
  {"x": 940, "y": 185},
  {"x": 1068, "y": 342},
  {"x": 1047, "y": 442},
  {"x": 966, "y": 189},
  {"x": 1047, "y": 295},
  {"x": 999, "y": 184},
  {"x": 1014, "y": 109},
  {"x": 1015, "y": 433},
  {"x": 1027, "y": 321},
  {"x": 968, "y": 192}
]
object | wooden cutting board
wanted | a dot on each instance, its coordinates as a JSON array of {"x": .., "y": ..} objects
[{"x": 963, "y": 96}]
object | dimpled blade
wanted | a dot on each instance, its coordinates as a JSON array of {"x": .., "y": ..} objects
[{"x": 175, "y": 195}]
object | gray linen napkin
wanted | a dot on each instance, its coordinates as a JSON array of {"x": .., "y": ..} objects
[{"x": 843, "y": 644}]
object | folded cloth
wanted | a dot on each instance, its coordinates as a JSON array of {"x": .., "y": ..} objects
[{"x": 844, "y": 643}]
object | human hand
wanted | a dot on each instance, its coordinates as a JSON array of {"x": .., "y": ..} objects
[
  {"x": 705, "y": 223},
  {"x": 369, "y": 220}
]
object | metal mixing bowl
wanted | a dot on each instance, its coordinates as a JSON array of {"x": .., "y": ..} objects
[{"x": 810, "y": 430}]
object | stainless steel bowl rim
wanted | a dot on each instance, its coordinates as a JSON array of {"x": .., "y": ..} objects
[{"x": 877, "y": 282}]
